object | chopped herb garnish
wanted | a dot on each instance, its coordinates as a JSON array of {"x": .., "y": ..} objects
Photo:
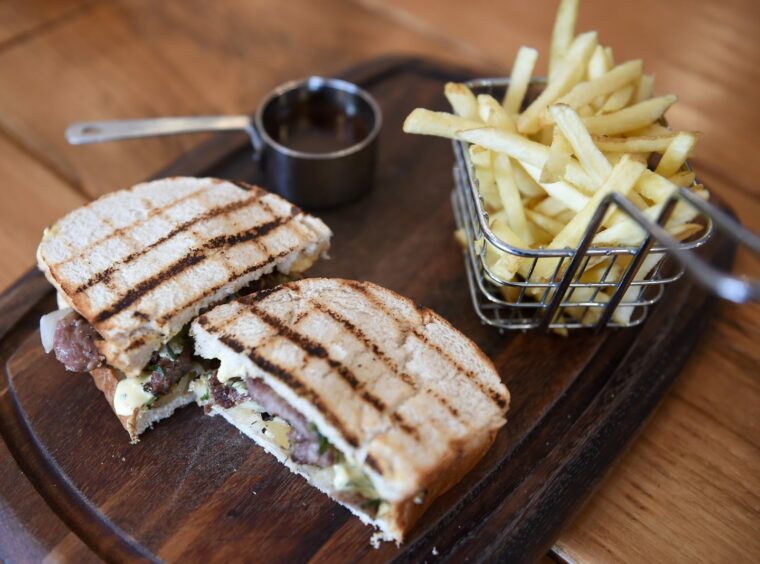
[
  {"x": 324, "y": 444},
  {"x": 371, "y": 505}
]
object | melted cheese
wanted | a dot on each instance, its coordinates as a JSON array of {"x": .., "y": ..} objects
[
  {"x": 349, "y": 477},
  {"x": 278, "y": 430},
  {"x": 229, "y": 369},
  {"x": 130, "y": 395}
]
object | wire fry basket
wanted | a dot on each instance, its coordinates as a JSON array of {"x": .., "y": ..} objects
[{"x": 591, "y": 286}]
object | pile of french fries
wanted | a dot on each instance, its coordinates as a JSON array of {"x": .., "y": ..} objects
[{"x": 544, "y": 165}]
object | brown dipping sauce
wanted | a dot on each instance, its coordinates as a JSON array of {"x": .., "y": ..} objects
[{"x": 316, "y": 127}]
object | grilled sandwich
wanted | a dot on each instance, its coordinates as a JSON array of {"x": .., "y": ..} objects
[
  {"x": 134, "y": 267},
  {"x": 377, "y": 402}
]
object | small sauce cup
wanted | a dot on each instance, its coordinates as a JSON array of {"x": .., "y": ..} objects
[{"x": 315, "y": 140}]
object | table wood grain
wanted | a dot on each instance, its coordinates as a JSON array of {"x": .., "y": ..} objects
[{"x": 688, "y": 488}]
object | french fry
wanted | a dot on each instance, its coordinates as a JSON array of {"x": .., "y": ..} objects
[
  {"x": 514, "y": 145},
  {"x": 609, "y": 82},
  {"x": 512, "y": 262},
  {"x": 510, "y": 197},
  {"x": 628, "y": 233},
  {"x": 550, "y": 206},
  {"x": 651, "y": 129},
  {"x": 622, "y": 178},
  {"x": 540, "y": 237},
  {"x": 438, "y": 124},
  {"x": 676, "y": 154},
  {"x": 522, "y": 70},
  {"x": 618, "y": 99},
  {"x": 609, "y": 54},
  {"x": 644, "y": 88},
  {"x": 559, "y": 158},
  {"x": 492, "y": 113},
  {"x": 637, "y": 200},
  {"x": 527, "y": 186},
  {"x": 566, "y": 216},
  {"x": 548, "y": 224},
  {"x": 643, "y": 144},
  {"x": 655, "y": 187},
  {"x": 598, "y": 64},
  {"x": 487, "y": 187},
  {"x": 521, "y": 148},
  {"x": 592, "y": 160},
  {"x": 633, "y": 117},
  {"x": 683, "y": 179},
  {"x": 575, "y": 175},
  {"x": 480, "y": 156},
  {"x": 564, "y": 31},
  {"x": 563, "y": 191},
  {"x": 460, "y": 236},
  {"x": 462, "y": 100},
  {"x": 568, "y": 72},
  {"x": 622, "y": 313}
]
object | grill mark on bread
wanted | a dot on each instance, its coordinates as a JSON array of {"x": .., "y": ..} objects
[
  {"x": 371, "y": 461},
  {"x": 362, "y": 337},
  {"x": 316, "y": 350},
  {"x": 136, "y": 344},
  {"x": 379, "y": 353},
  {"x": 233, "y": 276},
  {"x": 484, "y": 388},
  {"x": 343, "y": 370},
  {"x": 153, "y": 212},
  {"x": 105, "y": 275},
  {"x": 260, "y": 295},
  {"x": 294, "y": 383},
  {"x": 194, "y": 257}
]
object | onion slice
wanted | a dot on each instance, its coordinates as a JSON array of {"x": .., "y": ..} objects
[{"x": 48, "y": 324}]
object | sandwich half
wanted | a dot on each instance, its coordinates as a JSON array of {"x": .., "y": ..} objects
[
  {"x": 134, "y": 267},
  {"x": 377, "y": 402}
]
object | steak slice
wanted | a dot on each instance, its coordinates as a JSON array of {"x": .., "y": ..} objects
[
  {"x": 166, "y": 372},
  {"x": 306, "y": 444},
  {"x": 74, "y": 344},
  {"x": 222, "y": 395}
]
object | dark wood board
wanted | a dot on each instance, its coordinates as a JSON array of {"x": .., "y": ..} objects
[{"x": 194, "y": 489}]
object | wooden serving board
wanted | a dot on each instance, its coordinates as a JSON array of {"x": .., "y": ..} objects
[{"x": 195, "y": 489}]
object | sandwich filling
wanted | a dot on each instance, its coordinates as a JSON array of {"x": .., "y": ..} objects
[
  {"x": 287, "y": 428},
  {"x": 169, "y": 371}
]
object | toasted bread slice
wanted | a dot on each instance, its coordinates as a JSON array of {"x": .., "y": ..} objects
[
  {"x": 139, "y": 264},
  {"x": 394, "y": 387}
]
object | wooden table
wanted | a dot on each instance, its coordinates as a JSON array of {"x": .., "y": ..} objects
[{"x": 688, "y": 488}]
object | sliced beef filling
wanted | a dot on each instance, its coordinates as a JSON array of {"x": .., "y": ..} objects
[
  {"x": 224, "y": 396},
  {"x": 74, "y": 344},
  {"x": 306, "y": 444},
  {"x": 166, "y": 372}
]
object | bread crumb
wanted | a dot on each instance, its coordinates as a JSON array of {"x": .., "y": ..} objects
[{"x": 375, "y": 539}]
